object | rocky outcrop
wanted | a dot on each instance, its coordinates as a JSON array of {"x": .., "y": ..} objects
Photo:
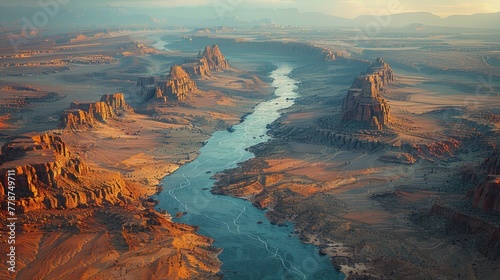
[
  {"x": 211, "y": 59},
  {"x": 177, "y": 87},
  {"x": 380, "y": 68},
  {"x": 49, "y": 177},
  {"x": 76, "y": 118},
  {"x": 215, "y": 60},
  {"x": 99, "y": 111},
  {"x": 487, "y": 196},
  {"x": 366, "y": 142},
  {"x": 363, "y": 104},
  {"x": 487, "y": 193},
  {"x": 117, "y": 102},
  {"x": 86, "y": 114}
]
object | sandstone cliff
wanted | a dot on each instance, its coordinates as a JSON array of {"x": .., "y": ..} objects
[
  {"x": 215, "y": 60},
  {"x": 49, "y": 177},
  {"x": 117, "y": 102},
  {"x": 380, "y": 68},
  {"x": 85, "y": 114},
  {"x": 177, "y": 87},
  {"x": 363, "y": 104}
]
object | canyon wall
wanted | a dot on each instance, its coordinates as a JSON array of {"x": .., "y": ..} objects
[
  {"x": 487, "y": 193},
  {"x": 470, "y": 222},
  {"x": 48, "y": 176},
  {"x": 298, "y": 49}
]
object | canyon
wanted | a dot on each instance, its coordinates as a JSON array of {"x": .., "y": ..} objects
[{"x": 381, "y": 155}]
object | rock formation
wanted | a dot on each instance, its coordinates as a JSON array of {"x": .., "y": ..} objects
[
  {"x": 83, "y": 114},
  {"x": 49, "y": 177},
  {"x": 215, "y": 60},
  {"x": 177, "y": 87},
  {"x": 211, "y": 59},
  {"x": 363, "y": 104},
  {"x": 487, "y": 194},
  {"x": 380, "y": 68},
  {"x": 117, "y": 102}
]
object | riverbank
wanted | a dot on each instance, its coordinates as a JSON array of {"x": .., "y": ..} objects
[
  {"x": 252, "y": 247},
  {"x": 372, "y": 217}
]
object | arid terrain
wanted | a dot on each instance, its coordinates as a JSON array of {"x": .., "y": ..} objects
[
  {"x": 387, "y": 161},
  {"x": 397, "y": 200},
  {"x": 130, "y": 148}
]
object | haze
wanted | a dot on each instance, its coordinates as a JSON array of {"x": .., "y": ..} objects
[{"x": 340, "y": 8}]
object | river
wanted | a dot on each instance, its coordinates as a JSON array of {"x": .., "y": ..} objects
[{"x": 252, "y": 247}]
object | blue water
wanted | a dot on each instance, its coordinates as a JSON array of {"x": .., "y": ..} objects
[{"x": 250, "y": 250}]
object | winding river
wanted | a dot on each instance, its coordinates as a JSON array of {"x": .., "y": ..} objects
[{"x": 251, "y": 250}]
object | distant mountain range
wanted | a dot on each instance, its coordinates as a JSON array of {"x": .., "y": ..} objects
[{"x": 81, "y": 16}]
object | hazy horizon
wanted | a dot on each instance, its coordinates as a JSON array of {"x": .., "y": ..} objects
[{"x": 342, "y": 8}]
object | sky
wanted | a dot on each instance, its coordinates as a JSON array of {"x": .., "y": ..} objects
[{"x": 341, "y": 8}]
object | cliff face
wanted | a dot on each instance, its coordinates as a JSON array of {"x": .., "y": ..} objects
[
  {"x": 117, "y": 102},
  {"x": 380, "y": 68},
  {"x": 49, "y": 177},
  {"x": 211, "y": 59},
  {"x": 363, "y": 103},
  {"x": 215, "y": 60},
  {"x": 144, "y": 81},
  {"x": 487, "y": 194},
  {"x": 176, "y": 87},
  {"x": 86, "y": 114},
  {"x": 298, "y": 49}
]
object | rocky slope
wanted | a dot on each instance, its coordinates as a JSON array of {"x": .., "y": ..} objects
[
  {"x": 99, "y": 239},
  {"x": 90, "y": 224},
  {"x": 50, "y": 177},
  {"x": 363, "y": 104},
  {"x": 85, "y": 114}
]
